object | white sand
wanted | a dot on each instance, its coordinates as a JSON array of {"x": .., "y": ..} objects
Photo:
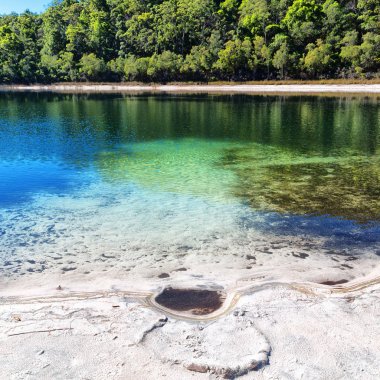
[
  {"x": 257, "y": 89},
  {"x": 276, "y": 331}
]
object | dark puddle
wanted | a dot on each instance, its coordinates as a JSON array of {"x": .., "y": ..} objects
[
  {"x": 198, "y": 302},
  {"x": 332, "y": 283}
]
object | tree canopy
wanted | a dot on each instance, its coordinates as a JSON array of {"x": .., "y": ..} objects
[{"x": 201, "y": 40}]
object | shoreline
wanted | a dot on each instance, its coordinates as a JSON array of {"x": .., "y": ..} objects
[
  {"x": 314, "y": 89},
  {"x": 243, "y": 286}
]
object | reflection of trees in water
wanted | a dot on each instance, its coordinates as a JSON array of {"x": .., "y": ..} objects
[
  {"x": 346, "y": 186},
  {"x": 296, "y": 122}
]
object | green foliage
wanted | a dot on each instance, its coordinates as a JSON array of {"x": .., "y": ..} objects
[
  {"x": 302, "y": 11},
  {"x": 365, "y": 56},
  {"x": 198, "y": 64},
  {"x": 139, "y": 36},
  {"x": 303, "y": 20},
  {"x": 67, "y": 67},
  {"x": 332, "y": 12},
  {"x": 19, "y": 49},
  {"x": 350, "y": 51},
  {"x": 163, "y": 40},
  {"x": 254, "y": 15},
  {"x": 369, "y": 15},
  {"x": 164, "y": 67},
  {"x": 262, "y": 53},
  {"x": 281, "y": 58},
  {"x": 236, "y": 60},
  {"x": 136, "y": 68},
  {"x": 318, "y": 58},
  {"x": 115, "y": 68},
  {"x": 370, "y": 51},
  {"x": 91, "y": 67}
]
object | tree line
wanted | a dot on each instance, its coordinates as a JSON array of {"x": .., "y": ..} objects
[{"x": 191, "y": 40}]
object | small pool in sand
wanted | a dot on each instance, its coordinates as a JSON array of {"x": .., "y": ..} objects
[{"x": 193, "y": 301}]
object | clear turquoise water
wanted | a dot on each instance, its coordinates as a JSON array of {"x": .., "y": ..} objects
[{"x": 176, "y": 171}]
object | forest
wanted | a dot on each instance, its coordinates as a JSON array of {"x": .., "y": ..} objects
[{"x": 191, "y": 40}]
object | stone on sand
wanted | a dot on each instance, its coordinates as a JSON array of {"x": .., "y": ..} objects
[{"x": 228, "y": 347}]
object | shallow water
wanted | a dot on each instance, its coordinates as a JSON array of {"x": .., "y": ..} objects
[{"x": 154, "y": 184}]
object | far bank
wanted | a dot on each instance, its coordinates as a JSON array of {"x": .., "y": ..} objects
[{"x": 293, "y": 87}]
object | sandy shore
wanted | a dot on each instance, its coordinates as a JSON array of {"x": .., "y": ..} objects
[
  {"x": 271, "y": 331},
  {"x": 238, "y": 88}
]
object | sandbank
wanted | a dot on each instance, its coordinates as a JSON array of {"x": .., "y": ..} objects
[{"x": 201, "y": 88}]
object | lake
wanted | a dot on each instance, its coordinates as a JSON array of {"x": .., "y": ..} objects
[{"x": 125, "y": 190}]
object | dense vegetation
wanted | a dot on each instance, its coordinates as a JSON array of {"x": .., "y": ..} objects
[{"x": 164, "y": 40}]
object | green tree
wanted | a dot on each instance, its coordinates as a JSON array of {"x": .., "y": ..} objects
[
  {"x": 198, "y": 64},
  {"x": 303, "y": 20},
  {"x": 236, "y": 60},
  {"x": 91, "y": 67},
  {"x": 115, "y": 69},
  {"x": 254, "y": 16},
  {"x": 101, "y": 32},
  {"x": 318, "y": 58},
  {"x": 164, "y": 67},
  {"x": 370, "y": 52},
  {"x": 350, "y": 51},
  {"x": 369, "y": 15},
  {"x": 67, "y": 67},
  {"x": 136, "y": 68},
  {"x": 140, "y": 37},
  {"x": 281, "y": 58},
  {"x": 19, "y": 49},
  {"x": 262, "y": 53}
]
